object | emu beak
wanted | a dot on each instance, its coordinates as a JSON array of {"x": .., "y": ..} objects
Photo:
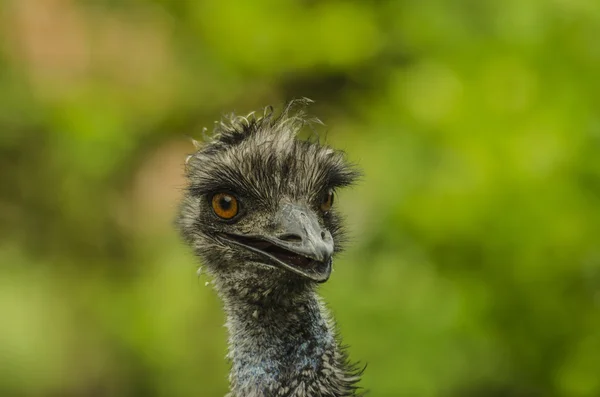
[{"x": 300, "y": 245}]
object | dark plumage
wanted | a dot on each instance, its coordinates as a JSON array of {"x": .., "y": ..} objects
[{"x": 268, "y": 257}]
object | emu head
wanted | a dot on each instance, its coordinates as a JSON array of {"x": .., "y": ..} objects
[{"x": 260, "y": 203}]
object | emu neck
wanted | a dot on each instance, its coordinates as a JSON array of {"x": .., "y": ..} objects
[{"x": 281, "y": 341}]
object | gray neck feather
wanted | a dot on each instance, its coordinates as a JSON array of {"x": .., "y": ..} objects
[{"x": 282, "y": 342}]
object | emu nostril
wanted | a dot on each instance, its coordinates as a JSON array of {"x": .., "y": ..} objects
[{"x": 291, "y": 237}]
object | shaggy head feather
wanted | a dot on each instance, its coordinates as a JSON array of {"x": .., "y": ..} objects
[{"x": 261, "y": 162}]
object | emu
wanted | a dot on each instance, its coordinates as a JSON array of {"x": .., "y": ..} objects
[{"x": 259, "y": 212}]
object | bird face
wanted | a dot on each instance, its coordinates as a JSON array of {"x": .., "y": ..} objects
[
  {"x": 291, "y": 234},
  {"x": 260, "y": 201}
]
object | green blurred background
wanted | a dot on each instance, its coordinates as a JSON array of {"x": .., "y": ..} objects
[{"x": 474, "y": 267}]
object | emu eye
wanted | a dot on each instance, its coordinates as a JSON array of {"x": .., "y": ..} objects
[
  {"x": 327, "y": 201},
  {"x": 225, "y": 205}
]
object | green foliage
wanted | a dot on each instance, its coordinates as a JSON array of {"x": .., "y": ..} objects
[{"x": 474, "y": 268}]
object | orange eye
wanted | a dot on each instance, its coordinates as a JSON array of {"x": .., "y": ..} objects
[
  {"x": 327, "y": 201},
  {"x": 225, "y": 205}
]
